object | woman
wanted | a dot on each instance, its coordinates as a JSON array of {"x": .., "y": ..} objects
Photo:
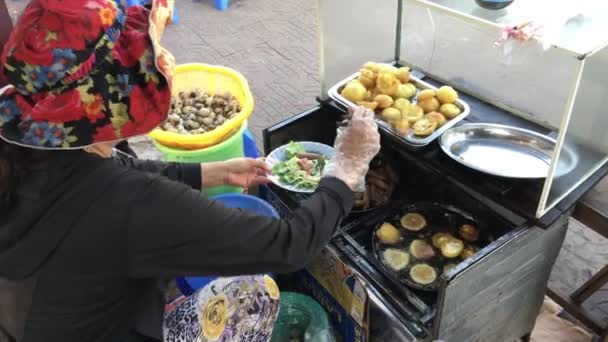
[{"x": 84, "y": 237}]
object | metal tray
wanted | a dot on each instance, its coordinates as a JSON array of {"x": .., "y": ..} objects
[
  {"x": 505, "y": 151},
  {"x": 410, "y": 138},
  {"x": 440, "y": 218}
]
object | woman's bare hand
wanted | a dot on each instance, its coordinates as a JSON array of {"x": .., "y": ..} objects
[{"x": 241, "y": 172}]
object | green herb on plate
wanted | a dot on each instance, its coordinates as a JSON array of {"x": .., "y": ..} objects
[{"x": 300, "y": 168}]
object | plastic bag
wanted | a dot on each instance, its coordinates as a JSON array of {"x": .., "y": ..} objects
[
  {"x": 356, "y": 145},
  {"x": 301, "y": 319}
]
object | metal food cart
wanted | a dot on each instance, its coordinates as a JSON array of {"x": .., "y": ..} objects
[{"x": 559, "y": 93}]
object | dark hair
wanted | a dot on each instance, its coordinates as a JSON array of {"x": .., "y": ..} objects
[{"x": 13, "y": 161}]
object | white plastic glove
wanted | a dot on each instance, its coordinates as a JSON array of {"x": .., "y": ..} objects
[{"x": 356, "y": 145}]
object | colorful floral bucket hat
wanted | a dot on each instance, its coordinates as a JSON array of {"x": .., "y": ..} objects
[{"x": 83, "y": 72}]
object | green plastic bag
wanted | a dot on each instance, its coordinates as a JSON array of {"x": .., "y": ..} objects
[{"x": 301, "y": 319}]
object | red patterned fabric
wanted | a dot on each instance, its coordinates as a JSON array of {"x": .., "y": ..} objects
[{"x": 83, "y": 72}]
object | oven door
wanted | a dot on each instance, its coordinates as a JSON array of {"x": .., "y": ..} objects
[
  {"x": 391, "y": 317},
  {"x": 389, "y": 320},
  {"x": 386, "y": 325}
]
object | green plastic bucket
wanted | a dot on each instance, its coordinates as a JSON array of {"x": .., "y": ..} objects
[
  {"x": 301, "y": 319},
  {"x": 227, "y": 149}
]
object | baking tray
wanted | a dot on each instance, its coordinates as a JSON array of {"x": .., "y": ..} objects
[
  {"x": 440, "y": 218},
  {"x": 410, "y": 138},
  {"x": 505, "y": 151}
]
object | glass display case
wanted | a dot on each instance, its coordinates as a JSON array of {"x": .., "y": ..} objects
[{"x": 557, "y": 92}]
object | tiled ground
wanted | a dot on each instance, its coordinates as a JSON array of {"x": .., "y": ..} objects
[{"x": 274, "y": 44}]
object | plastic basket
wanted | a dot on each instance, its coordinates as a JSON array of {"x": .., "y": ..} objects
[
  {"x": 213, "y": 79},
  {"x": 248, "y": 202}
]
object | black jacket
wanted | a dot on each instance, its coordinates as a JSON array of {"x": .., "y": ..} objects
[{"x": 80, "y": 252}]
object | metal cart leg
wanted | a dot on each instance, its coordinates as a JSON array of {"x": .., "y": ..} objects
[
  {"x": 577, "y": 311},
  {"x": 591, "y": 286},
  {"x": 595, "y": 218}
]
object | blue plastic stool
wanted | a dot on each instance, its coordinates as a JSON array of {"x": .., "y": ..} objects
[
  {"x": 174, "y": 19},
  {"x": 189, "y": 285},
  {"x": 249, "y": 148},
  {"x": 222, "y": 5}
]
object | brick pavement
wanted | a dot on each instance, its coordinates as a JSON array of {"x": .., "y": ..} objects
[{"x": 272, "y": 43}]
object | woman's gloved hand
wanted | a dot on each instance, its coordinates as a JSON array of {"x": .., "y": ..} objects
[{"x": 356, "y": 145}]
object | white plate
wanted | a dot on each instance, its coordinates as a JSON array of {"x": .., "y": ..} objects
[{"x": 278, "y": 156}]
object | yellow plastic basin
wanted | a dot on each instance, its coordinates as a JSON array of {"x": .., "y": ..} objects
[{"x": 213, "y": 79}]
